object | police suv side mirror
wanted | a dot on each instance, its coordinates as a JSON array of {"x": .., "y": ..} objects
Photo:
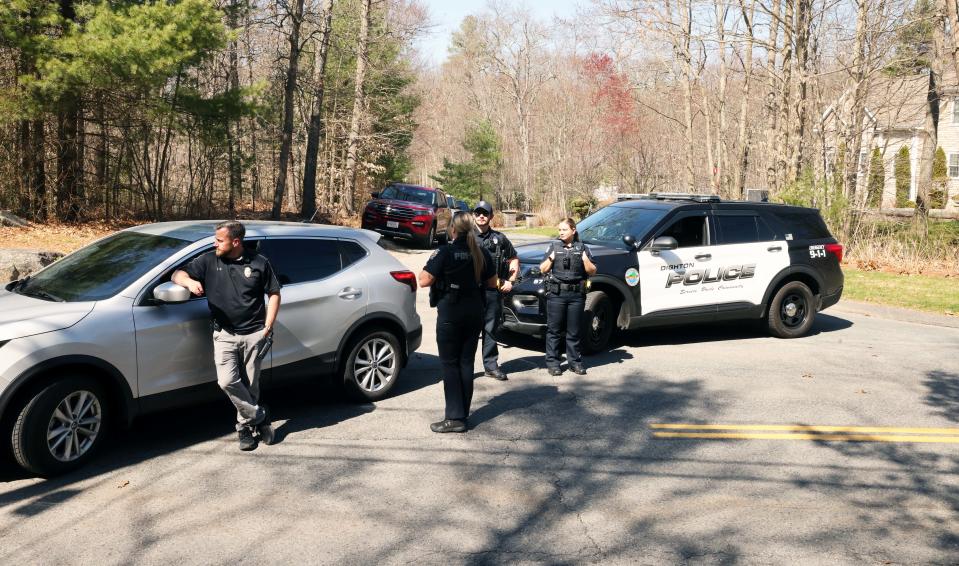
[
  {"x": 630, "y": 241},
  {"x": 171, "y": 293},
  {"x": 664, "y": 243},
  {"x": 375, "y": 194}
]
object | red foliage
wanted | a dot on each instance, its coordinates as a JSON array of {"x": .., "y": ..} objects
[{"x": 611, "y": 92}]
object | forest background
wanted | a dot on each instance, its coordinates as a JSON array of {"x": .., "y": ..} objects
[{"x": 124, "y": 111}]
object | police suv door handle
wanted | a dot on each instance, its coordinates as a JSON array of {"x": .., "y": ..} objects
[
  {"x": 349, "y": 293},
  {"x": 704, "y": 257},
  {"x": 774, "y": 249}
]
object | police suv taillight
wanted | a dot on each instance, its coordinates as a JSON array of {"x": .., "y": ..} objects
[
  {"x": 836, "y": 250},
  {"x": 406, "y": 278}
]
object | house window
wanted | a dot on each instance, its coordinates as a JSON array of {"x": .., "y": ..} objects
[
  {"x": 955, "y": 110},
  {"x": 863, "y": 161},
  {"x": 954, "y": 165}
]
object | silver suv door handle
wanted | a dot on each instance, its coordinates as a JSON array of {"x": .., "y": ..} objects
[
  {"x": 349, "y": 293},
  {"x": 704, "y": 257},
  {"x": 774, "y": 249}
]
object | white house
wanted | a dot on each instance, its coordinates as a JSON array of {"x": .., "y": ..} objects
[{"x": 895, "y": 117}]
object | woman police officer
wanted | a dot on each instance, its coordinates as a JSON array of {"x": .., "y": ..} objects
[
  {"x": 570, "y": 263},
  {"x": 458, "y": 273}
]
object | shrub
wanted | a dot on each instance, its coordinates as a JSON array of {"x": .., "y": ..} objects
[
  {"x": 877, "y": 180},
  {"x": 903, "y": 171},
  {"x": 940, "y": 178},
  {"x": 580, "y": 207}
]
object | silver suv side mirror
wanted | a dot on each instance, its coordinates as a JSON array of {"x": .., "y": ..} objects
[{"x": 170, "y": 292}]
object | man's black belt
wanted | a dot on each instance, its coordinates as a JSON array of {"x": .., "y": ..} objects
[
  {"x": 558, "y": 286},
  {"x": 217, "y": 327}
]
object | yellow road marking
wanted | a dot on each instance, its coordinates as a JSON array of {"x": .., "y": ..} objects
[
  {"x": 807, "y": 428},
  {"x": 806, "y": 436}
]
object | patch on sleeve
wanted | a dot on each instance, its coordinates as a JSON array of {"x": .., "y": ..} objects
[{"x": 434, "y": 254}]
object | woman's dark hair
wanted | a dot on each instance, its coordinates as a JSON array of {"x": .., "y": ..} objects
[
  {"x": 572, "y": 226},
  {"x": 464, "y": 225}
]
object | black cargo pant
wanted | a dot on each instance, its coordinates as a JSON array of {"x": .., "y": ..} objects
[
  {"x": 458, "y": 326},
  {"x": 494, "y": 310},
  {"x": 563, "y": 311}
]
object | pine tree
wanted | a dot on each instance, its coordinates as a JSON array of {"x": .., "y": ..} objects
[
  {"x": 940, "y": 179},
  {"x": 903, "y": 171},
  {"x": 877, "y": 179}
]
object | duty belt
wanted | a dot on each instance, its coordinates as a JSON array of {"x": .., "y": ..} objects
[{"x": 557, "y": 287}]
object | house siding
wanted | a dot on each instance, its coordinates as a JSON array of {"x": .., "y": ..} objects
[{"x": 949, "y": 142}]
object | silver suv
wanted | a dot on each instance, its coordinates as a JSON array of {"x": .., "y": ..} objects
[{"x": 102, "y": 335}]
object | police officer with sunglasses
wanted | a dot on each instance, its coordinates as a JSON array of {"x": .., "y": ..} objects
[
  {"x": 507, "y": 268},
  {"x": 569, "y": 263}
]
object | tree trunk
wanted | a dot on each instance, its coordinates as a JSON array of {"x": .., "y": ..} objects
[
  {"x": 783, "y": 104},
  {"x": 349, "y": 176},
  {"x": 742, "y": 142},
  {"x": 289, "y": 91},
  {"x": 686, "y": 57},
  {"x": 39, "y": 177},
  {"x": 315, "y": 132},
  {"x": 803, "y": 28},
  {"x": 233, "y": 134},
  {"x": 721, "y": 175},
  {"x": 931, "y": 123},
  {"x": 853, "y": 134}
]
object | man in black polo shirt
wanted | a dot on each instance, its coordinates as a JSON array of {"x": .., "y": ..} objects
[
  {"x": 507, "y": 269},
  {"x": 235, "y": 281}
]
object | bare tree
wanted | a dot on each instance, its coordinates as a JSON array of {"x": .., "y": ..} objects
[
  {"x": 315, "y": 130},
  {"x": 347, "y": 205},
  {"x": 289, "y": 91}
]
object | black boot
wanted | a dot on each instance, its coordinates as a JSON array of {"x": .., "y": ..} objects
[
  {"x": 448, "y": 425},
  {"x": 247, "y": 442}
]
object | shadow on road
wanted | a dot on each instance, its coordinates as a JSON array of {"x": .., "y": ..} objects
[{"x": 303, "y": 404}]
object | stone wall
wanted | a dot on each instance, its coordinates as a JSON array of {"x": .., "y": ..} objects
[{"x": 17, "y": 264}]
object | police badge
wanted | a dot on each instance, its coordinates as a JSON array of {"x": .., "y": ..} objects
[{"x": 247, "y": 272}]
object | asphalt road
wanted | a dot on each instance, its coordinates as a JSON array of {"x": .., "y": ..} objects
[{"x": 703, "y": 445}]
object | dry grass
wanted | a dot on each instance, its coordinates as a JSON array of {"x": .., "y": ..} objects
[
  {"x": 63, "y": 238},
  {"x": 899, "y": 247}
]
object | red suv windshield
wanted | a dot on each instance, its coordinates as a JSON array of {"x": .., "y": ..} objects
[{"x": 409, "y": 194}]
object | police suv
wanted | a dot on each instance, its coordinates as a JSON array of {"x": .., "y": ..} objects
[{"x": 668, "y": 259}]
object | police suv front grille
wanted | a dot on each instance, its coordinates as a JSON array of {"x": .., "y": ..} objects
[{"x": 393, "y": 212}]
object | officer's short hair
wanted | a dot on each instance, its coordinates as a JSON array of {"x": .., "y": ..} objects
[{"x": 234, "y": 229}]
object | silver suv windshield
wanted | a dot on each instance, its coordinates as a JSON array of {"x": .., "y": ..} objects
[
  {"x": 100, "y": 270},
  {"x": 608, "y": 225}
]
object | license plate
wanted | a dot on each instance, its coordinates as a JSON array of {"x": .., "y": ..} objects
[{"x": 392, "y": 224}]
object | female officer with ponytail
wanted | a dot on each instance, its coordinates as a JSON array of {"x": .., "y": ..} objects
[
  {"x": 570, "y": 263},
  {"x": 457, "y": 274}
]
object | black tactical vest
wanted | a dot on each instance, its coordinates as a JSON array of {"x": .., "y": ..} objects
[
  {"x": 457, "y": 280},
  {"x": 568, "y": 264},
  {"x": 494, "y": 245}
]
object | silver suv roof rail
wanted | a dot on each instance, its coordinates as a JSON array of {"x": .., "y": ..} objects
[{"x": 669, "y": 196}]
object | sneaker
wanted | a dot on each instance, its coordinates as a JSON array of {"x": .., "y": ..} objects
[
  {"x": 448, "y": 425},
  {"x": 265, "y": 429},
  {"x": 247, "y": 442}
]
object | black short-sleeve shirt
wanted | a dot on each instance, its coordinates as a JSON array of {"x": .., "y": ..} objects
[
  {"x": 495, "y": 241},
  {"x": 445, "y": 257},
  {"x": 235, "y": 288}
]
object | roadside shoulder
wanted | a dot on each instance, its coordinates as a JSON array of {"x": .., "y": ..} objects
[{"x": 895, "y": 313}]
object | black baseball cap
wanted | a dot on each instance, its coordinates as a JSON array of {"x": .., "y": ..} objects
[{"x": 485, "y": 207}]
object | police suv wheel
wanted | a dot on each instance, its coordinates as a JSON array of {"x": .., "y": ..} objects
[
  {"x": 373, "y": 365},
  {"x": 61, "y": 427},
  {"x": 792, "y": 311},
  {"x": 597, "y": 322}
]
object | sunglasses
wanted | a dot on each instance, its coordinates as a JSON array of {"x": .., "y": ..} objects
[{"x": 480, "y": 213}]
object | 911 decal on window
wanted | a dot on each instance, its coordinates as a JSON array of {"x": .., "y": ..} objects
[{"x": 817, "y": 251}]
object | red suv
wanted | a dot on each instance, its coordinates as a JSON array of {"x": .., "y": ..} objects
[{"x": 416, "y": 213}]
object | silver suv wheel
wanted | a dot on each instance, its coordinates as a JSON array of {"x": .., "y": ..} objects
[
  {"x": 374, "y": 365},
  {"x": 74, "y": 426}
]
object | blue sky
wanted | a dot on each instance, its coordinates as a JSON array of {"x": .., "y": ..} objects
[{"x": 447, "y": 14}]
